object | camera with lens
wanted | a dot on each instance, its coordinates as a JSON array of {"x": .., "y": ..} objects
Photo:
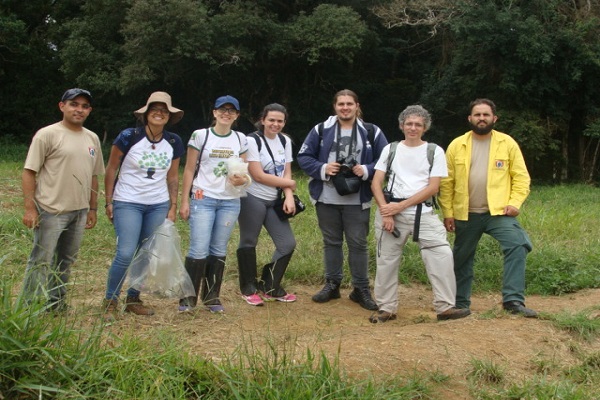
[{"x": 346, "y": 167}]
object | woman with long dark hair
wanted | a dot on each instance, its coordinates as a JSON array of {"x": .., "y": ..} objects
[
  {"x": 269, "y": 158},
  {"x": 146, "y": 162}
]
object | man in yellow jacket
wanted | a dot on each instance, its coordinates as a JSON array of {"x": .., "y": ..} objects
[{"x": 486, "y": 185}]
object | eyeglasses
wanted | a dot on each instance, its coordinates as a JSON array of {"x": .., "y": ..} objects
[
  {"x": 159, "y": 110},
  {"x": 414, "y": 124},
  {"x": 230, "y": 111}
]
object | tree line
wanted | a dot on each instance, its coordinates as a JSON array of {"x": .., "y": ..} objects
[{"x": 539, "y": 60}]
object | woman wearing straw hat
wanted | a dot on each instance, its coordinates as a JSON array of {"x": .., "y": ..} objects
[{"x": 141, "y": 185}]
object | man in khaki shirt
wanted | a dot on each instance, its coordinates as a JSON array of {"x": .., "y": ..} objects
[{"x": 60, "y": 191}]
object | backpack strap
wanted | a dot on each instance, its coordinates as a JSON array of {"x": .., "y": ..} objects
[
  {"x": 370, "y": 132},
  {"x": 432, "y": 201},
  {"x": 197, "y": 169},
  {"x": 391, "y": 155},
  {"x": 256, "y": 135},
  {"x": 430, "y": 154},
  {"x": 136, "y": 131}
]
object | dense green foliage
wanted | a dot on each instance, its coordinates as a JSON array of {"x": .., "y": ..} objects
[{"x": 540, "y": 61}]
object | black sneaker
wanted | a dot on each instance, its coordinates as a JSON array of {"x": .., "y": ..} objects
[
  {"x": 363, "y": 297},
  {"x": 330, "y": 291},
  {"x": 518, "y": 308}
]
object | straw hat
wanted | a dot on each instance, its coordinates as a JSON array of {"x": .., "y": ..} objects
[{"x": 161, "y": 97}]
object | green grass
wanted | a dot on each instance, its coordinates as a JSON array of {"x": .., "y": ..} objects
[
  {"x": 584, "y": 324},
  {"x": 47, "y": 356}
]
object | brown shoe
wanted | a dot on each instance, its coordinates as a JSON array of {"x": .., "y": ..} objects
[
  {"x": 136, "y": 306},
  {"x": 453, "y": 313},
  {"x": 110, "y": 309},
  {"x": 381, "y": 316}
]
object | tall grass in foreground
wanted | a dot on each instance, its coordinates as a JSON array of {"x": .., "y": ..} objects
[{"x": 46, "y": 355}]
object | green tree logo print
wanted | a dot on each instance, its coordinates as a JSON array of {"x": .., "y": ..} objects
[
  {"x": 153, "y": 161},
  {"x": 220, "y": 169}
]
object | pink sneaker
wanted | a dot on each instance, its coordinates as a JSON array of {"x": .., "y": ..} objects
[
  {"x": 288, "y": 298},
  {"x": 253, "y": 299}
]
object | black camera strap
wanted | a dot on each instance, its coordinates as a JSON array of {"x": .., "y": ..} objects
[
  {"x": 338, "y": 138},
  {"x": 262, "y": 136}
]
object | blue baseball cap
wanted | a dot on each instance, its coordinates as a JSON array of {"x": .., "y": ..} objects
[
  {"x": 227, "y": 100},
  {"x": 72, "y": 93}
]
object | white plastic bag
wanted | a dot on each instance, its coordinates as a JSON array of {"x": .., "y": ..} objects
[
  {"x": 158, "y": 265},
  {"x": 237, "y": 166}
]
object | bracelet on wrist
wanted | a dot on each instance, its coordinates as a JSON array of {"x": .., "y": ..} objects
[
  {"x": 107, "y": 204},
  {"x": 93, "y": 209}
]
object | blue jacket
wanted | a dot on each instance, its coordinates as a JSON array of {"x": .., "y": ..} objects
[{"x": 313, "y": 156}]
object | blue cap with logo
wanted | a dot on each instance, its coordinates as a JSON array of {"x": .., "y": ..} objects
[{"x": 227, "y": 100}]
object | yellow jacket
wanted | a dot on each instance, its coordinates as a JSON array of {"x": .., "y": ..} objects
[{"x": 508, "y": 179}]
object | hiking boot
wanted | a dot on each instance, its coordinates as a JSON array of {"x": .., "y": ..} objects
[
  {"x": 381, "y": 316},
  {"x": 330, "y": 291},
  {"x": 453, "y": 313},
  {"x": 136, "y": 306},
  {"x": 110, "y": 309},
  {"x": 187, "y": 304},
  {"x": 56, "y": 306},
  {"x": 363, "y": 297},
  {"x": 518, "y": 308}
]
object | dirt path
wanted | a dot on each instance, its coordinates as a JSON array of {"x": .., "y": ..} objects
[{"x": 414, "y": 342}]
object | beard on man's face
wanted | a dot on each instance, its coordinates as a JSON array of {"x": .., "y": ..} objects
[{"x": 482, "y": 129}]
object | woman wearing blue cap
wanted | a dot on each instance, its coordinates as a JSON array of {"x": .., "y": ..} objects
[{"x": 211, "y": 201}]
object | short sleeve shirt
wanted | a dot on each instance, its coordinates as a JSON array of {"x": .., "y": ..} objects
[
  {"x": 212, "y": 176},
  {"x": 410, "y": 170},
  {"x": 282, "y": 155},
  {"x": 143, "y": 173},
  {"x": 64, "y": 162}
]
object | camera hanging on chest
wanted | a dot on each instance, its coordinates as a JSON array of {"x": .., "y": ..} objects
[{"x": 345, "y": 181}]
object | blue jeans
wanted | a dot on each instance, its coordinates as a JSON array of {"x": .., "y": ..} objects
[
  {"x": 351, "y": 222},
  {"x": 211, "y": 224},
  {"x": 56, "y": 243},
  {"x": 134, "y": 223}
]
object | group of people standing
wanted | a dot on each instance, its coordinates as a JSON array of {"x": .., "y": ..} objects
[{"x": 482, "y": 181}]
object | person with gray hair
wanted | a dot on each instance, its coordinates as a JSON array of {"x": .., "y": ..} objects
[{"x": 414, "y": 169}]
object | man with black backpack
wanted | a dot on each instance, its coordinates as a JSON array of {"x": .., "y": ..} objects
[
  {"x": 339, "y": 155},
  {"x": 414, "y": 169}
]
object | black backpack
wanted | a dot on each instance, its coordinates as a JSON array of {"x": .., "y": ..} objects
[{"x": 257, "y": 137}]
